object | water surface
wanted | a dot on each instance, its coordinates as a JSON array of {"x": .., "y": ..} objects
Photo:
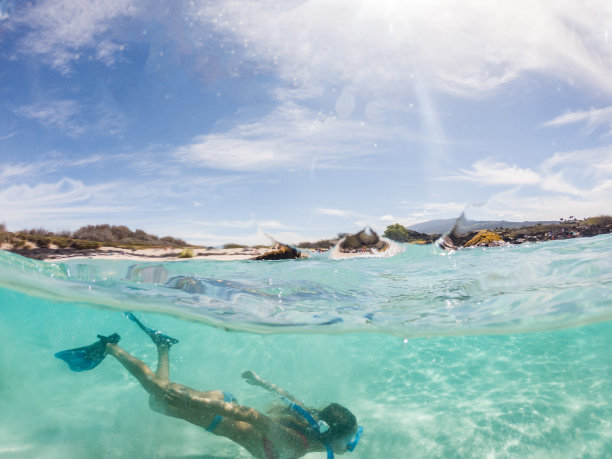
[{"x": 499, "y": 352}]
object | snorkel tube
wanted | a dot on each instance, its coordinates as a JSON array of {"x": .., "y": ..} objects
[{"x": 320, "y": 427}]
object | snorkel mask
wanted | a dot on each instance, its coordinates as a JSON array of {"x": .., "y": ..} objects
[
  {"x": 321, "y": 427},
  {"x": 351, "y": 445}
]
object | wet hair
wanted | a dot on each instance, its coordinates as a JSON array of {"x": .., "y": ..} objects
[{"x": 339, "y": 419}]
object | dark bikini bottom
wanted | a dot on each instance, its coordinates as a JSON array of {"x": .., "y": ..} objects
[{"x": 227, "y": 397}]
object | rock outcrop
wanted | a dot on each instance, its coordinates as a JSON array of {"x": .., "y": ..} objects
[
  {"x": 281, "y": 251},
  {"x": 363, "y": 241},
  {"x": 485, "y": 238}
]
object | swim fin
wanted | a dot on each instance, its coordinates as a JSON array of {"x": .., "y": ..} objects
[
  {"x": 156, "y": 336},
  {"x": 87, "y": 357}
]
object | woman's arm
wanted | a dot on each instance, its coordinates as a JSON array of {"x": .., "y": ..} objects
[{"x": 254, "y": 379}]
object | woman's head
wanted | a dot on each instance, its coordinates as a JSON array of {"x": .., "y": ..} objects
[{"x": 342, "y": 425}]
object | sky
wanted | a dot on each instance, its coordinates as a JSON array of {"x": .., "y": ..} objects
[{"x": 224, "y": 121}]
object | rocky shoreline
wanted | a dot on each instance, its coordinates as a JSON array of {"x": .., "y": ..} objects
[
  {"x": 535, "y": 233},
  {"x": 350, "y": 244}
]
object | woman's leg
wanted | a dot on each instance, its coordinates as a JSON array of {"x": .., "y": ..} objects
[
  {"x": 158, "y": 386},
  {"x": 163, "y": 362},
  {"x": 150, "y": 381}
]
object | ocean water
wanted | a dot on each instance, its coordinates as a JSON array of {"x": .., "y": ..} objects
[{"x": 488, "y": 352}]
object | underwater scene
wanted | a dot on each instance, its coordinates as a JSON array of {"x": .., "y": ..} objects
[{"x": 484, "y": 352}]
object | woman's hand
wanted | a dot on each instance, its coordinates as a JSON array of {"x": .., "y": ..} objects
[
  {"x": 252, "y": 378},
  {"x": 178, "y": 397}
]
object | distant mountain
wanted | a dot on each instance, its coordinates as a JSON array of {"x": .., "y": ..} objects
[{"x": 444, "y": 225}]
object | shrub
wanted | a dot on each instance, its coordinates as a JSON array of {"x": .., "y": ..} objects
[
  {"x": 600, "y": 220},
  {"x": 123, "y": 235},
  {"x": 43, "y": 241},
  {"x": 101, "y": 233},
  {"x": 85, "y": 245},
  {"x": 39, "y": 232},
  {"x": 323, "y": 244},
  {"x": 120, "y": 232},
  {"x": 61, "y": 242},
  {"x": 140, "y": 235},
  {"x": 186, "y": 253},
  {"x": 400, "y": 233},
  {"x": 173, "y": 241}
]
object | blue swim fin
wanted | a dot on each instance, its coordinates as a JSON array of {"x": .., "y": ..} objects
[
  {"x": 87, "y": 357},
  {"x": 156, "y": 336}
]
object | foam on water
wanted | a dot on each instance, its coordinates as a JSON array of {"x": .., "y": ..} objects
[{"x": 477, "y": 386}]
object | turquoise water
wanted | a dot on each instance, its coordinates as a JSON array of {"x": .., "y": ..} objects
[{"x": 498, "y": 352}]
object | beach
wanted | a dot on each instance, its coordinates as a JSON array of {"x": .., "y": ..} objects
[{"x": 148, "y": 254}]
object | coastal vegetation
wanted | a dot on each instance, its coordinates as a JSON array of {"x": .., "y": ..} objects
[
  {"x": 323, "y": 244},
  {"x": 232, "y": 245},
  {"x": 87, "y": 238},
  {"x": 186, "y": 253},
  {"x": 400, "y": 233}
]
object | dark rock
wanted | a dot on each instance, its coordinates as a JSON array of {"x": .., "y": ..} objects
[
  {"x": 362, "y": 241},
  {"x": 281, "y": 251}
]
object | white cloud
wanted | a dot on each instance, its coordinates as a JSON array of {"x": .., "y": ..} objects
[
  {"x": 576, "y": 173},
  {"x": 56, "y": 203},
  {"x": 575, "y": 183},
  {"x": 465, "y": 48},
  {"x": 497, "y": 173},
  {"x": 580, "y": 172},
  {"x": 514, "y": 205},
  {"x": 24, "y": 171},
  {"x": 260, "y": 236},
  {"x": 61, "y": 31},
  {"x": 56, "y": 114},
  {"x": 239, "y": 224},
  {"x": 7, "y": 136},
  {"x": 593, "y": 118},
  {"x": 595, "y": 161},
  {"x": 288, "y": 137},
  {"x": 73, "y": 118},
  {"x": 41, "y": 195},
  {"x": 9, "y": 171},
  {"x": 336, "y": 212}
]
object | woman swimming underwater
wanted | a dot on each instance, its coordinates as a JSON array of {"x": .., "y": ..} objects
[{"x": 291, "y": 432}]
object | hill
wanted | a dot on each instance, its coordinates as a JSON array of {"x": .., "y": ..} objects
[{"x": 441, "y": 226}]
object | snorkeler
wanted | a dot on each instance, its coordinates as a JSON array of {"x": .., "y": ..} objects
[{"x": 292, "y": 432}]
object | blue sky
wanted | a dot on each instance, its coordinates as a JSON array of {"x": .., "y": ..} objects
[{"x": 221, "y": 121}]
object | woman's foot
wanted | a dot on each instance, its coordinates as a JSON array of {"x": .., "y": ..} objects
[
  {"x": 114, "y": 338},
  {"x": 158, "y": 338}
]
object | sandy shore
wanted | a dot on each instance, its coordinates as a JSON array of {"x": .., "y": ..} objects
[{"x": 153, "y": 254}]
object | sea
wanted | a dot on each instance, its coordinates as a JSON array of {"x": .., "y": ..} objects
[{"x": 476, "y": 353}]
